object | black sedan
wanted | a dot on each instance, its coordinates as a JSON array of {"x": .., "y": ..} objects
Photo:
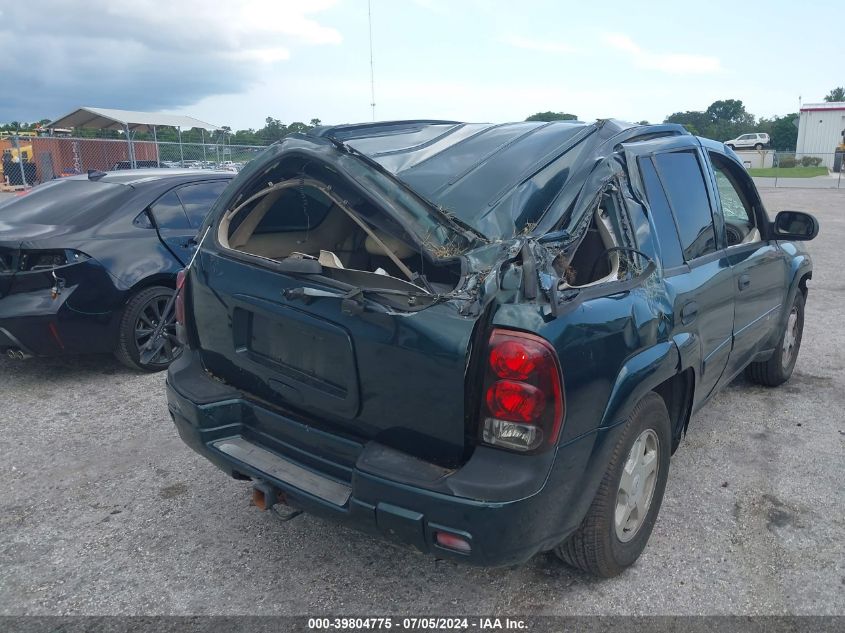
[{"x": 88, "y": 263}]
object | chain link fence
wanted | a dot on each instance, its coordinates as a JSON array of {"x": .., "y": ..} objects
[
  {"x": 771, "y": 168},
  {"x": 28, "y": 161}
]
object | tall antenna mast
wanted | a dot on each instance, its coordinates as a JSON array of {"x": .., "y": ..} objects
[{"x": 372, "y": 73}]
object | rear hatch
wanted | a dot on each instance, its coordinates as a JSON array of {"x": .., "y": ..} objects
[
  {"x": 328, "y": 348},
  {"x": 395, "y": 378}
]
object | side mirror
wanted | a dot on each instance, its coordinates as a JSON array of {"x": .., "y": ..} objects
[{"x": 795, "y": 225}]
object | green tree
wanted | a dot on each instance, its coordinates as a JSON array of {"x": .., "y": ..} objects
[
  {"x": 298, "y": 127},
  {"x": 695, "y": 121},
  {"x": 782, "y": 131},
  {"x": 552, "y": 116},
  {"x": 722, "y": 120},
  {"x": 728, "y": 119},
  {"x": 837, "y": 94},
  {"x": 273, "y": 130}
]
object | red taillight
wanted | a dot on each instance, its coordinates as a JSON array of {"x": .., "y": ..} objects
[
  {"x": 180, "y": 297},
  {"x": 516, "y": 401},
  {"x": 523, "y": 397},
  {"x": 513, "y": 359}
]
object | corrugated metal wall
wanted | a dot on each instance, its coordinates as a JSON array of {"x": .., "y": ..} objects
[{"x": 819, "y": 132}]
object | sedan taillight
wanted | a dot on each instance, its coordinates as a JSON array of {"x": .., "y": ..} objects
[{"x": 45, "y": 260}]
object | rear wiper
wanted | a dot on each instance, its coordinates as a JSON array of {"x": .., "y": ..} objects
[{"x": 456, "y": 223}]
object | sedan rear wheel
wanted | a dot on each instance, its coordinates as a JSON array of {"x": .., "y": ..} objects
[{"x": 141, "y": 317}]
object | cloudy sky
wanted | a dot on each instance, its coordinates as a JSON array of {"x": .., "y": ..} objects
[{"x": 235, "y": 62}]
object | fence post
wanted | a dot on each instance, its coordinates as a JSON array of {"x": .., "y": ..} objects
[
  {"x": 155, "y": 141},
  {"x": 131, "y": 154},
  {"x": 777, "y": 169},
  {"x": 181, "y": 153},
  {"x": 17, "y": 144}
]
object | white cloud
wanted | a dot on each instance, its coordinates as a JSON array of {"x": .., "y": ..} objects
[
  {"x": 543, "y": 46},
  {"x": 263, "y": 55},
  {"x": 148, "y": 54},
  {"x": 673, "y": 63}
]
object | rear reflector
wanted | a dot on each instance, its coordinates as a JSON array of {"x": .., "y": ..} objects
[{"x": 453, "y": 542}]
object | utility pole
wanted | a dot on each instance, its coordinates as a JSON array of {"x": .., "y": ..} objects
[{"x": 372, "y": 73}]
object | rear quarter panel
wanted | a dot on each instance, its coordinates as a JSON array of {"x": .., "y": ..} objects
[{"x": 612, "y": 350}]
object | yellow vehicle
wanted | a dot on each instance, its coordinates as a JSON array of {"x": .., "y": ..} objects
[
  {"x": 839, "y": 155},
  {"x": 11, "y": 156}
]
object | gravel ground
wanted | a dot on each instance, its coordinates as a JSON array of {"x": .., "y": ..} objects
[{"x": 103, "y": 510}]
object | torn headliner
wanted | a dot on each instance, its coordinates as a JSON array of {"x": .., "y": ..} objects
[{"x": 499, "y": 178}]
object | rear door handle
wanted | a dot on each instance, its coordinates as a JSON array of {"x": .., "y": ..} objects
[
  {"x": 689, "y": 312},
  {"x": 744, "y": 281}
]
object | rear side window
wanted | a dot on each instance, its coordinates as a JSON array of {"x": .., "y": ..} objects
[
  {"x": 683, "y": 182},
  {"x": 197, "y": 199},
  {"x": 664, "y": 223},
  {"x": 169, "y": 213}
]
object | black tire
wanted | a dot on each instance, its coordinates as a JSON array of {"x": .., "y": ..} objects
[
  {"x": 777, "y": 370},
  {"x": 731, "y": 146},
  {"x": 758, "y": 146},
  {"x": 143, "y": 305},
  {"x": 595, "y": 546}
]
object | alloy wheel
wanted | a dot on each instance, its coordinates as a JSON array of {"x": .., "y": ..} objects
[
  {"x": 790, "y": 338},
  {"x": 153, "y": 312},
  {"x": 636, "y": 486}
]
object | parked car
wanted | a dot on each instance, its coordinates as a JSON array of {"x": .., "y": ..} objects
[
  {"x": 88, "y": 263},
  {"x": 744, "y": 141},
  {"x": 483, "y": 341},
  {"x": 140, "y": 164}
]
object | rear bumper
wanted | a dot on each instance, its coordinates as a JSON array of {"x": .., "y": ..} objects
[{"x": 508, "y": 506}]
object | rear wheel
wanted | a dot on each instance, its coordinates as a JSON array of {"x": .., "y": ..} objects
[
  {"x": 620, "y": 520},
  {"x": 143, "y": 312},
  {"x": 758, "y": 146},
  {"x": 731, "y": 145},
  {"x": 778, "y": 369}
]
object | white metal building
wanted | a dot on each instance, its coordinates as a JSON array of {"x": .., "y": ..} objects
[{"x": 820, "y": 127}]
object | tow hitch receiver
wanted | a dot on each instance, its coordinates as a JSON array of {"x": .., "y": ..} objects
[{"x": 265, "y": 497}]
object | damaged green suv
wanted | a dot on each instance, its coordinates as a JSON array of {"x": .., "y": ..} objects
[{"x": 481, "y": 341}]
